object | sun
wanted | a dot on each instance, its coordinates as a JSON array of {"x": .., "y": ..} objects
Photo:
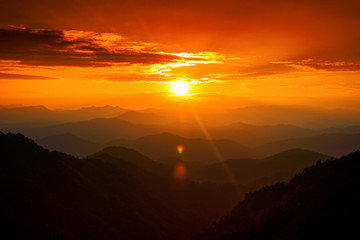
[{"x": 180, "y": 87}]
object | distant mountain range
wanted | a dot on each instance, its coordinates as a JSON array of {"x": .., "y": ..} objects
[
  {"x": 70, "y": 144},
  {"x": 99, "y": 130},
  {"x": 313, "y": 118},
  {"x": 195, "y": 150},
  {"x": 308, "y": 117},
  {"x": 201, "y": 158},
  {"x": 35, "y": 116},
  {"x": 334, "y": 144},
  {"x": 127, "y": 184},
  {"x": 136, "y": 129},
  {"x": 163, "y": 145},
  {"x": 115, "y": 194},
  {"x": 118, "y": 193},
  {"x": 320, "y": 203},
  {"x": 255, "y": 173},
  {"x": 254, "y": 135}
]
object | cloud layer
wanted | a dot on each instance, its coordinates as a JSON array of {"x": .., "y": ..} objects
[
  {"x": 42, "y": 47},
  {"x": 261, "y": 49}
]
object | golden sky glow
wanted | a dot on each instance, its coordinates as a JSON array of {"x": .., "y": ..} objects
[
  {"x": 180, "y": 87},
  {"x": 74, "y": 53}
]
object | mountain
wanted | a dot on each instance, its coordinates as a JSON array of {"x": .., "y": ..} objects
[
  {"x": 97, "y": 130},
  {"x": 260, "y": 114},
  {"x": 308, "y": 117},
  {"x": 254, "y": 173},
  {"x": 115, "y": 194},
  {"x": 29, "y": 114},
  {"x": 87, "y": 113},
  {"x": 246, "y": 134},
  {"x": 35, "y": 116},
  {"x": 334, "y": 144},
  {"x": 347, "y": 130},
  {"x": 104, "y": 124},
  {"x": 320, "y": 203},
  {"x": 144, "y": 117},
  {"x": 253, "y": 135},
  {"x": 195, "y": 150},
  {"x": 134, "y": 157},
  {"x": 70, "y": 144}
]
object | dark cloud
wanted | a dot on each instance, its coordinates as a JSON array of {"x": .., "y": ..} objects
[
  {"x": 22, "y": 76},
  {"x": 329, "y": 66},
  {"x": 52, "y": 48}
]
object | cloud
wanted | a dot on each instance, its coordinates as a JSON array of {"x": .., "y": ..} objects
[
  {"x": 281, "y": 28},
  {"x": 259, "y": 74},
  {"x": 311, "y": 64},
  {"x": 14, "y": 76},
  {"x": 43, "y": 47},
  {"x": 133, "y": 77}
]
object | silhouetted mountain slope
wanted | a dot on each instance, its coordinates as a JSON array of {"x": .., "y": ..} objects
[
  {"x": 70, "y": 144},
  {"x": 334, "y": 144},
  {"x": 141, "y": 117},
  {"x": 46, "y": 193},
  {"x": 96, "y": 130},
  {"x": 136, "y": 124},
  {"x": 344, "y": 130},
  {"x": 136, "y": 158},
  {"x": 245, "y": 134},
  {"x": 295, "y": 115},
  {"x": 255, "y": 173},
  {"x": 29, "y": 114},
  {"x": 21, "y": 116},
  {"x": 251, "y": 135},
  {"x": 195, "y": 150},
  {"x": 320, "y": 203}
]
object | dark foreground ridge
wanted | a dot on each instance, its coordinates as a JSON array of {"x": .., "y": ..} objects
[
  {"x": 320, "y": 203},
  {"x": 119, "y": 193},
  {"x": 52, "y": 195}
]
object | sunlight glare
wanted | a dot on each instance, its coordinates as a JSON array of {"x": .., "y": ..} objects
[{"x": 180, "y": 87}]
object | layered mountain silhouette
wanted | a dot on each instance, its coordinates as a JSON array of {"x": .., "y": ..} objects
[
  {"x": 198, "y": 149},
  {"x": 308, "y": 117},
  {"x": 136, "y": 158},
  {"x": 334, "y": 144},
  {"x": 132, "y": 183},
  {"x": 32, "y": 116},
  {"x": 104, "y": 124},
  {"x": 115, "y": 194},
  {"x": 320, "y": 203},
  {"x": 119, "y": 193},
  {"x": 145, "y": 117},
  {"x": 100, "y": 125},
  {"x": 102, "y": 130},
  {"x": 255, "y": 173},
  {"x": 70, "y": 144},
  {"x": 99, "y": 130},
  {"x": 195, "y": 150},
  {"x": 253, "y": 135}
]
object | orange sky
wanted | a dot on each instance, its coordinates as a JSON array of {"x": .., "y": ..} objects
[{"x": 68, "y": 54}]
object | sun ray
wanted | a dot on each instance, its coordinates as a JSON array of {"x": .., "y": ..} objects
[{"x": 217, "y": 152}]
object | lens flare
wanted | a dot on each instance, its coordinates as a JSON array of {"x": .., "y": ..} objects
[
  {"x": 180, "y": 149},
  {"x": 180, "y": 171}
]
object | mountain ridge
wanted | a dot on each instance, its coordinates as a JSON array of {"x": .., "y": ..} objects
[{"x": 319, "y": 203}]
